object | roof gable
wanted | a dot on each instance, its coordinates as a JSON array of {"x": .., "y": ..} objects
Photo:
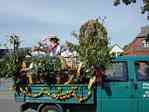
[{"x": 116, "y": 48}]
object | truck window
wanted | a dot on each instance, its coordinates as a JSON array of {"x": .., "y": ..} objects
[
  {"x": 142, "y": 70},
  {"x": 117, "y": 72}
]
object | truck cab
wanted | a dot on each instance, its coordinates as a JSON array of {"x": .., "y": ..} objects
[{"x": 125, "y": 88}]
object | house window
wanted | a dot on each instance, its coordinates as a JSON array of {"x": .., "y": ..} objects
[{"x": 146, "y": 43}]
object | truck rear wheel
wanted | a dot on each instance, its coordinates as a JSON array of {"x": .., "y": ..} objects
[{"x": 51, "y": 108}]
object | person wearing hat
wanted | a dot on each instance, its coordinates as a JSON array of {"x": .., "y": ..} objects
[{"x": 54, "y": 48}]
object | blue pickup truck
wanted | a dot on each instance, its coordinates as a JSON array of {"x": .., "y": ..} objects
[{"x": 125, "y": 88}]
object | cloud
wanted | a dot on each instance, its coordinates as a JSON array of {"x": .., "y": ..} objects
[
  {"x": 36, "y": 18},
  {"x": 36, "y": 10}
]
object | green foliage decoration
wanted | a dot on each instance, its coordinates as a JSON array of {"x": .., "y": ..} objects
[
  {"x": 93, "y": 46},
  {"x": 46, "y": 64}
]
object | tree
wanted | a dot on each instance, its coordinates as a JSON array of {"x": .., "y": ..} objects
[
  {"x": 14, "y": 40},
  {"x": 11, "y": 62},
  {"x": 144, "y": 9}
]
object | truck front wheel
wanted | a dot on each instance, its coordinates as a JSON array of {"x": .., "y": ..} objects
[{"x": 51, "y": 108}]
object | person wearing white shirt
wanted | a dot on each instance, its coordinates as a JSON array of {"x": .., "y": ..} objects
[{"x": 54, "y": 48}]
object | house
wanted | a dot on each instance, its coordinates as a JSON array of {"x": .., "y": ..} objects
[
  {"x": 116, "y": 50},
  {"x": 140, "y": 45},
  {"x": 3, "y": 52}
]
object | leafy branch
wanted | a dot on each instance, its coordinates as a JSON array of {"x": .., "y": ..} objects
[{"x": 144, "y": 8}]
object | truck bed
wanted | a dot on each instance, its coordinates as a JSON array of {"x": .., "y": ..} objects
[{"x": 57, "y": 93}]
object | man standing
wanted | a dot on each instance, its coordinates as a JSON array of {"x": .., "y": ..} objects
[{"x": 54, "y": 48}]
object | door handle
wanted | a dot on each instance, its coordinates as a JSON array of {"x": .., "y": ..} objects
[
  {"x": 134, "y": 84},
  {"x": 126, "y": 86}
]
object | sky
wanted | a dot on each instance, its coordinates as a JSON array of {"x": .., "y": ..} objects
[{"x": 33, "y": 20}]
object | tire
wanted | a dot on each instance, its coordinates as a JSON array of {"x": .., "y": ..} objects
[
  {"x": 29, "y": 107},
  {"x": 30, "y": 110},
  {"x": 51, "y": 108}
]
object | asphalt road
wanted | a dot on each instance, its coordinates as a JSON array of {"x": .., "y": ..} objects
[
  {"x": 9, "y": 105},
  {"x": 7, "y": 102}
]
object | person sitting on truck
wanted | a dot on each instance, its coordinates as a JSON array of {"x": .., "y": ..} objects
[
  {"x": 66, "y": 56},
  {"x": 53, "y": 49},
  {"x": 22, "y": 80}
]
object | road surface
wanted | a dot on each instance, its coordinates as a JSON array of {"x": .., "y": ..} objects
[{"x": 7, "y": 102}]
